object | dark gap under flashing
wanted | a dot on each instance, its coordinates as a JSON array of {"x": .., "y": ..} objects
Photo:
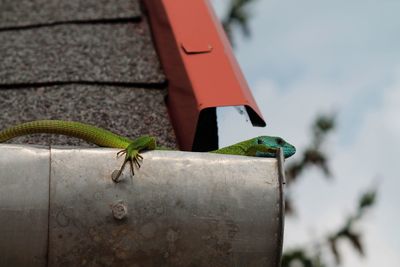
[
  {"x": 162, "y": 85},
  {"x": 76, "y": 22},
  {"x": 206, "y": 137}
]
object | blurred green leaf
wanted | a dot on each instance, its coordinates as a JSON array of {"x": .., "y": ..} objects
[
  {"x": 237, "y": 15},
  {"x": 367, "y": 199},
  {"x": 356, "y": 242},
  {"x": 298, "y": 256},
  {"x": 334, "y": 250},
  {"x": 324, "y": 123}
]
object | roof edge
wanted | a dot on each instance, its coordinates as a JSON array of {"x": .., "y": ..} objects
[{"x": 198, "y": 61}]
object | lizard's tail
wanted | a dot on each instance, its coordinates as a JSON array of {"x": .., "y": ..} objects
[{"x": 83, "y": 131}]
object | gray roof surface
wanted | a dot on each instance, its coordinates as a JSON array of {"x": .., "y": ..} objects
[
  {"x": 81, "y": 64},
  {"x": 17, "y": 13},
  {"x": 106, "y": 52}
]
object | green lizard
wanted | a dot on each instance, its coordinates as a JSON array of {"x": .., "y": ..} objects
[{"x": 262, "y": 146}]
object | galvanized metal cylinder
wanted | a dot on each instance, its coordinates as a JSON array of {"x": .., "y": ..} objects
[
  {"x": 179, "y": 209},
  {"x": 24, "y": 205}
]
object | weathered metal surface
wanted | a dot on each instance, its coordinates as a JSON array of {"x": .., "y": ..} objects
[
  {"x": 281, "y": 212},
  {"x": 24, "y": 203},
  {"x": 180, "y": 209}
]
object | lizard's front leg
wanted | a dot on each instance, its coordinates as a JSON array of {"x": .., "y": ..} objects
[
  {"x": 132, "y": 154},
  {"x": 133, "y": 157}
]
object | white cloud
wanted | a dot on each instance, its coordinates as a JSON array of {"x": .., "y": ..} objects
[{"x": 336, "y": 39}]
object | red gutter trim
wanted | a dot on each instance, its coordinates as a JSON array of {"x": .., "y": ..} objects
[{"x": 199, "y": 63}]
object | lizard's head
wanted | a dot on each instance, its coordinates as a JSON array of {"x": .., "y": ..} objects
[{"x": 276, "y": 142}]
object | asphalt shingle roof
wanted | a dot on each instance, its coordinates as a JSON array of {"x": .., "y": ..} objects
[
  {"x": 77, "y": 60},
  {"x": 106, "y": 52},
  {"x": 20, "y": 13}
]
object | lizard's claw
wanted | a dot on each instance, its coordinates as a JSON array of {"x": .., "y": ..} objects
[
  {"x": 133, "y": 157},
  {"x": 122, "y": 152}
]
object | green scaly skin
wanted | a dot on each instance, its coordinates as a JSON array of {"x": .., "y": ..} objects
[{"x": 262, "y": 146}]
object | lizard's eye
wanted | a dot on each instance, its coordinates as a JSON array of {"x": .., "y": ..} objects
[
  {"x": 280, "y": 141},
  {"x": 259, "y": 141}
]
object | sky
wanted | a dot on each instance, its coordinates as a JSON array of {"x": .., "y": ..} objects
[{"x": 309, "y": 57}]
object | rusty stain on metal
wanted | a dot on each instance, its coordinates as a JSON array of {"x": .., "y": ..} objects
[{"x": 199, "y": 63}]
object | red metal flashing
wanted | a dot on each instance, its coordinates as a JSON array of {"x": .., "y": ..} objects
[{"x": 199, "y": 63}]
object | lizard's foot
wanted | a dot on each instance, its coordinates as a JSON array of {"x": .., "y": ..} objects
[{"x": 133, "y": 157}]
